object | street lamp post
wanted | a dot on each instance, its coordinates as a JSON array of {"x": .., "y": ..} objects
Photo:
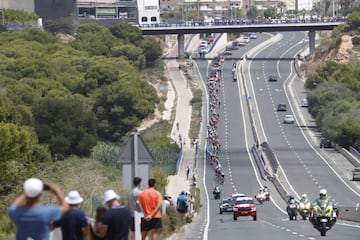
[{"x": 2, "y": 13}]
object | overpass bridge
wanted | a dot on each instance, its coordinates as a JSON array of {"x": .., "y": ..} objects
[{"x": 181, "y": 30}]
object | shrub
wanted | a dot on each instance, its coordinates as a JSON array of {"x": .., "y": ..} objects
[
  {"x": 106, "y": 152},
  {"x": 356, "y": 41}
]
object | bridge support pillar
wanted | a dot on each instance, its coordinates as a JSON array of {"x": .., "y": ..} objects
[
  {"x": 311, "y": 42},
  {"x": 181, "y": 45}
]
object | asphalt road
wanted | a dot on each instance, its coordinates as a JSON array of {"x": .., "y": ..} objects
[{"x": 305, "y": 168}]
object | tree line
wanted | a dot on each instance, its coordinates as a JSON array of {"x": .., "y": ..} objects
[
  {"x": 58, "y": 99},
  {"x": 334, "y": 93}
]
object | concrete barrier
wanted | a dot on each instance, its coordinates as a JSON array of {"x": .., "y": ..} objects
[
  {"x": 259, "y": 161},
  {"x": 349, "y": 213},
  {"x": 354, "y": 161}
]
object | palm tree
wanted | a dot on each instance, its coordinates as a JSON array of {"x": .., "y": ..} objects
[
  {"x": 282, "y": 7},
  {"x": 317, "y": 9}
]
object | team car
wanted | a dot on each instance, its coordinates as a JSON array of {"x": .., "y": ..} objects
[
  {"x": 226, "y": 205},
  {"x": 244, "y": 206},
  {"x": 236, "y": 195}
]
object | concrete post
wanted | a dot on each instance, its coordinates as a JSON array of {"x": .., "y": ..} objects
[
  {"x": 181, "y": 45},
  {"x": 311, "y": 42}
]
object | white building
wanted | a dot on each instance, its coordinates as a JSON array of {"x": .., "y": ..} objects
[
  {"x": 148, "y": 11},
  {"x": 305, "y": 4}
]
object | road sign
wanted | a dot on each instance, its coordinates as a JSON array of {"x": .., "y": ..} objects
[{"x": 135, "y": 159}]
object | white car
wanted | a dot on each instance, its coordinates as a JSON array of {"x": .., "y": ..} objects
[
  {"x": 289, "y": 118},
  {"x": 246, "y": 39},
  {"x": 304, "y": 102}
]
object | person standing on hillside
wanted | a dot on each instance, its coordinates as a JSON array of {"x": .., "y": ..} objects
[
  {"x": 187, "y": 172},
  {"x": 32, "y": 220},
  {"x": 150, "y": 203},
  {"x": 182, "y": 204},
  {"x": 133, "y": 204},
  {"x": 74, "y": 225},
  {"x": 117, "y": 219}
]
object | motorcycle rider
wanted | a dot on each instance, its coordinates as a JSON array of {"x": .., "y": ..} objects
[
  {"x": 260, "y": 193},
  {"x": 217, "y": 192},
  {"x": 290, "y": 210},
  {"x": 291, "y": 199},
  {"x": 323, "y": 199},
  {"x": 304, "y": 206},
  {"x": 266, "y": 193},
  {"x": 304, "y": 199}
]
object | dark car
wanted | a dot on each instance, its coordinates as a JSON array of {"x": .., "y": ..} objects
[
  {"x": 226, "y": 205},
  {"x": 228, "y": 52},
  {"x": 281, "y": 107},
  {"x": 272, "y": 78},
  {"x": 325, "y": 143}
]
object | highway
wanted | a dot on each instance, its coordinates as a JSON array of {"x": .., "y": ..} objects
[{"x": 305, "y": 168}]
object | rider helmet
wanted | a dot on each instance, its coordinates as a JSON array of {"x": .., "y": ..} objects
[
  {"x": 304, "y": 196},
  {"x": 323, "y": 194}
]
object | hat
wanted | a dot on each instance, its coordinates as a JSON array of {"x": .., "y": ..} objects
[
  {"x": 33, "y": 187},
  {"x": 182, "y": 192},
  {"x": 110, "y": 195},
  {"x": 74, "y": 198}
]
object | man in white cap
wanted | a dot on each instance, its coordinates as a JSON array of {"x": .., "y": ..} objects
[
  {"x": 116, "y": 222},
  {"x": 74, "y": 225},
  {"x": 32, "y": 219}
]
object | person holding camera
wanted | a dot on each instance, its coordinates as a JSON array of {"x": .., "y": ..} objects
[{"x": 33, "y": 220}]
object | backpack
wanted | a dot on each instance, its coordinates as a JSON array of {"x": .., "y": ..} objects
[{"x": 182, "y": 206}]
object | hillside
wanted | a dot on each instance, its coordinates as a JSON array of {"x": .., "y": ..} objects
[{"x": 342, "y": 51}]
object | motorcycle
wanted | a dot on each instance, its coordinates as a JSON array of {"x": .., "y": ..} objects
[
  {"x": 292, "y": 210},
  {"x": 217, "y": 193},
  {"x": 323, "y": 217},
  {"x": 262, "y": 197},
  {"x": 304, "y": 209}
]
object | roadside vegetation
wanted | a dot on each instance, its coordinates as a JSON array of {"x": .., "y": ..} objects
[
  {"x": 67, "y": 109},
  {"x": 334, "y": 91}
]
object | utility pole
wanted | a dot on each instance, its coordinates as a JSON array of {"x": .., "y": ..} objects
[
  {"x": 198, "y": 10},
  {"x": 2, "y": 13}
]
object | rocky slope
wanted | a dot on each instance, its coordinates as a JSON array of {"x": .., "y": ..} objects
[{"x": 342, "y": 51}]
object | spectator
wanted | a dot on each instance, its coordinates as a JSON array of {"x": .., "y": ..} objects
[
  {"x": 182, "y": 203},
  {"x": 133, "y": 204},
  {"x": 73, "y": 224},
  {"x": 100, "y": 212},
  {"x": 31, "y": 219},
  {"x": 150, "y": 203},
  {"x": 187, "y": 172},
  {"x": 165, "y": 203},
  {"x": 117, "y": 219}
]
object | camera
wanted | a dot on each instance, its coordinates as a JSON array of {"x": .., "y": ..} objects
[{"x": 46, "y": 187}]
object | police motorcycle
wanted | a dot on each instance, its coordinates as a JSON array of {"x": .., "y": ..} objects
[
  {"x": 292, "y": 208},
  {"x": 267, "y": 193},
  {"x": 304, "y": 207},
  {"x": 263, "y": 195},
  {"x": 217, "y": 192},
  {"x": 324, "y": 213}
]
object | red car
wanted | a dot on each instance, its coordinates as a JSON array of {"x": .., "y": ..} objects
[{"x": 244, "y": 206}]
